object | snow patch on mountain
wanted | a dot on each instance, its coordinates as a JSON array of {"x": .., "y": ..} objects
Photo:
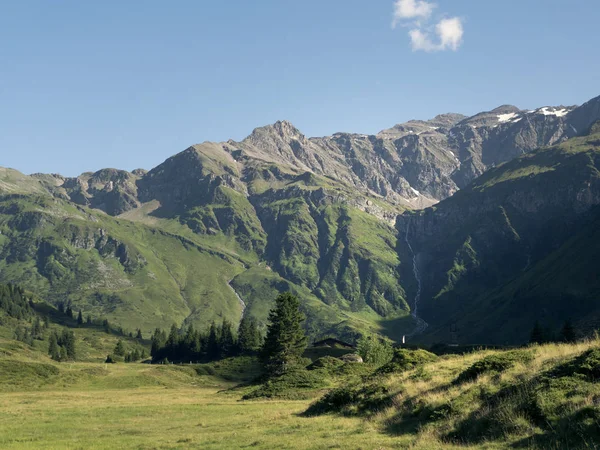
[
  {"x": 502, "y": 118},
  {"x": 547, "y": 111}
]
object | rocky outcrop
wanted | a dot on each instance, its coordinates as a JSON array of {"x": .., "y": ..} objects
[{"x": 110, "y": 190}]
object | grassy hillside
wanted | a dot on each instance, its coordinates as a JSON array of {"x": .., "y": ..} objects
[{"x": 540, "y": 397}]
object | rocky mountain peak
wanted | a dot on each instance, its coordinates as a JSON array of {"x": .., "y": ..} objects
[
  {"x": 505, "y": 109},
  {"x": 447, "y": 120},
  {"x": 282, "y": 130}
]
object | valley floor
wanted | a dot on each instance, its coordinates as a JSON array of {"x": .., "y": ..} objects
[
  {"x": 99, "y": 416},
  {"x": 542, "y": 397}
]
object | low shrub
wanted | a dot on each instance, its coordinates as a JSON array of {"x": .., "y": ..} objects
[
  {"x": 494, "y": 364},
  {"x": 352, "y": 400},
  {"x": 587, "y": 364},
  {"x": 328, "y": 363},
  {"x": 292, "y": 385},
  {"x": 404, "y": 360}
]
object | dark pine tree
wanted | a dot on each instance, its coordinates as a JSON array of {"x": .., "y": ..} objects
[
  {"x": 68, "y": 343},
  {"x": 537, "y": 334},
  {"x": 139, "y": 334},
  {"x": 567, "y": 333},
  {"x": 172, "y": 346},
  {"x": 36, "y": 329},
  {"x": 285, "y": 341},
  {"x": 63, "y": 354},
  {"x": 213, "y": 347},
  {"x": 158, "y": 342},
  {"x": 227, "y": 341},
  {"x": 119, "y": 349},
  {"x": 248, "y": 336},
  {"x": 53, "y": 349},
  {"x": 79, "y": 318}
]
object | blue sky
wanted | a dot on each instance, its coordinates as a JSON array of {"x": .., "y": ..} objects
[{"x": 92, "y": 84}]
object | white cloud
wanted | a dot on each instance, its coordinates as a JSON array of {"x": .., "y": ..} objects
[
  {"x": 421, "y": 41},
  {"x": 447, "y": 34},
  {"x": 412, "y": 9},
  {"x": 450, "y": 32}
]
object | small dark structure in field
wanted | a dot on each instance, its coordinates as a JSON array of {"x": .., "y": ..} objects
[{"x": 334, "y": 343}]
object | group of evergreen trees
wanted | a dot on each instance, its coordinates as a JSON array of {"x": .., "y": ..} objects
[
  {"x": 541, "y": 335},
  {"x": 283, "y": 346},
  {"x": 14, "y": 302},
  {"x": 61, "y": 347},
  {"x": 281, "y": 351},
  {"x": 121, "y": 354},
  {"x": 219, "y": 341},
  {"x": 34, "y": 332}
]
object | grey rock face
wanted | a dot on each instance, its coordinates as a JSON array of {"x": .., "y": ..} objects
[
  {"x": 110, "y": 190},
  {"x": 413, "y": 165}
]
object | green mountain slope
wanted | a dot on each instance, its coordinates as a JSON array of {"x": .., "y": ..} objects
[
  {"x": 217, "y": 230},
  {"x": 199, "y": 220},
  {"x": 517, "y": 245}
]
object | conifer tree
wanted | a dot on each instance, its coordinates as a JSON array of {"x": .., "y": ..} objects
[
  {"x": 213, "y": 349},
  {"x": 53, "y": 349},
  {"x": 36, "y": 329},
  {"x": 537, "y": 334},
  {"x": 80, "y": 318},
  {"x": 248, "y": 336},
  {"x": 158, "y": 341},
  {"x": 173, "y": 343},
  {"x": 68, "y": 343},
  {"x": 227, "y": 340},
  {"x": 63, "y": 354},
  {"x": 119, "y": 349},
  {"x": 285, "y": 341},
  {"x": 567, "y": 333},
  {"x": 139, "y": 334}
]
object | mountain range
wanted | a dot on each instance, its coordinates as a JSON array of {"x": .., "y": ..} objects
[{"x": 481, "y": 225}]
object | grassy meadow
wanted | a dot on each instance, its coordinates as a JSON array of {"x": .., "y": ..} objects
[
  {"x": 140, "y": 406},
  {"x": 539, "y": 397}
]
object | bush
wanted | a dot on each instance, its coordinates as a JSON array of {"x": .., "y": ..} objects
[
  {"x": 329, "y": 363},
  {"x": 374, "y": 350},
  {"x": 352, "y": 400},
  {"x": 586, "y": 364},
  {"x": 494, "y": 364},
  {"x": 293, "y": 385},
  {"x": 405, "y": 360}
]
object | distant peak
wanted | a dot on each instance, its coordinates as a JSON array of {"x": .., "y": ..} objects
[
  {"x": 139, "y": 172},
  {"x": 282, "y": 129},
  {"x": 285, "y": 127},
  {"x": 505, "y": 109}
]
